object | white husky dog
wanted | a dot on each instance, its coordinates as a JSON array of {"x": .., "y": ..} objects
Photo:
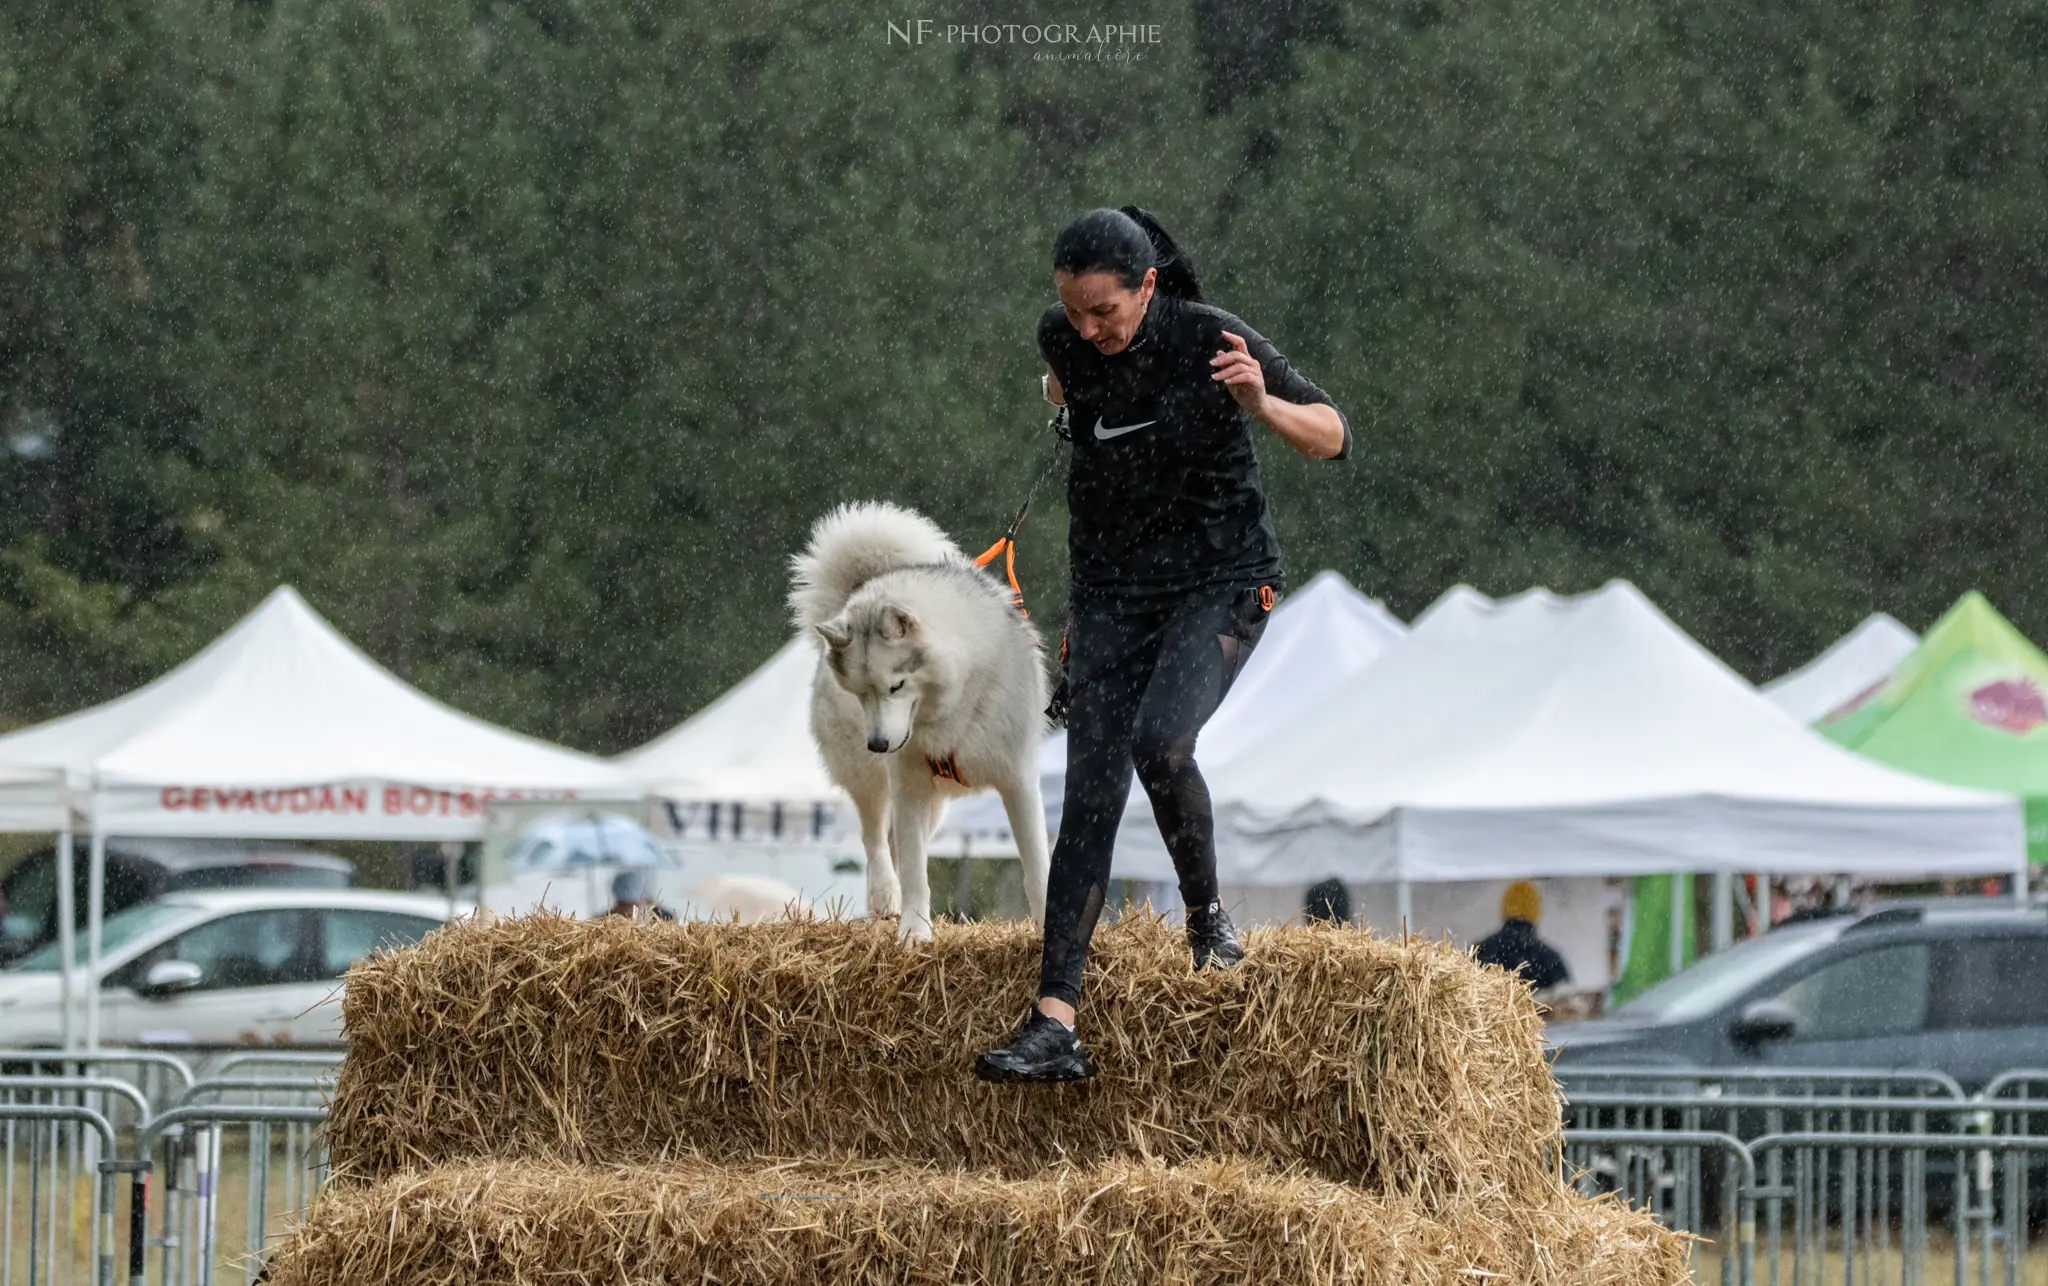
[{"x": 929, "y": 686}]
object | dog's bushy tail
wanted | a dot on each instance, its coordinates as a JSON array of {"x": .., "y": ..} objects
[{"x": 853, "y": 544}]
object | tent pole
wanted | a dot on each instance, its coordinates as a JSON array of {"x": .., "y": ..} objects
[
  {"x": 95, "y": 914},
  {"x": 451, "y": 869},
  {"x": 1678, "y": 910},
  {"x": 1724, "y": 910},
  {"x": 67, "y": 931},
  {"x": 1404, "y": 906}
]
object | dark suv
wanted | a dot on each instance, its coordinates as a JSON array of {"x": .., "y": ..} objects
[
  {"x": 1957, "y": 986},
  {"x": 139, "y": 870}
]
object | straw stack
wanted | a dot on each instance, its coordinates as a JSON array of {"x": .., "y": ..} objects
[
  {"x": 545, "y": 1100},
  {"x": 1121, "y": 1224},
  {"x": 1401, "y": 1069}
]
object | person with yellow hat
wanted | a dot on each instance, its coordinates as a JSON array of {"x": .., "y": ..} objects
[{"x": 1515, "y": 947}]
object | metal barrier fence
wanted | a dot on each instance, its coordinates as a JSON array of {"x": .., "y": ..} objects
[
  {"x": 193, "y": 1140},
  {"x": 42, "y": 1145},
  {"x": 1869, "y": 1178},
  {"x": 1861, "y": 1208},
  {"x": 1848, "y": 1177},
  {"x": 1818, "y": 1083},
  {"x": 230, "y": 1157},
  {"x": 160, "y": 1077}
]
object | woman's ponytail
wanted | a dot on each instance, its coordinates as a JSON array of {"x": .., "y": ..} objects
[
  {"x": 1176, "y": 271},
  {"x": 1126, "y": 242}
]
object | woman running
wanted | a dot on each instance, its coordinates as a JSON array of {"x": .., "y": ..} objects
[{"x": 1175, "y": 565}]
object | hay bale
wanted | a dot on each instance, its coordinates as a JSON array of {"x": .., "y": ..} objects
[
  {"x": 1403, "y": 1069},
  {"x": 514, "y": 1223}
]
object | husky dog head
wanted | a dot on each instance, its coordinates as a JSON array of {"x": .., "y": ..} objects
[{"x": 877, "y": 652}]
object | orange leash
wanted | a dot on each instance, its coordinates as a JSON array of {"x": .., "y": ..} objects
[{"x": 1006, "y": 545}]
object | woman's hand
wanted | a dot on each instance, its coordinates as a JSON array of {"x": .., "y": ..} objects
[
  {"x": 1313, "y": 429},
  {"x": 1241, "y": 373}
]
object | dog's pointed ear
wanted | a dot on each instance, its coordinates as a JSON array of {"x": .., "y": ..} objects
[
  {"x": 898, "y": 623},
  {"x": 835, "y": 633}
]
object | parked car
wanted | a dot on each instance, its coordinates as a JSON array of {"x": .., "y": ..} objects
[
  {"x": 1957, "y": 986},
  {"x": 138, "y": 870},
  {"x": 221, "y": 967}
]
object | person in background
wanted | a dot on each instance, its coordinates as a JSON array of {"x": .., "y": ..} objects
[
  {"x": 1328, "y": 901},
  {"x": 1515, "y": 947},
  {"x": 1818, "y": 898},
  {"x": 633, "y": 897}
]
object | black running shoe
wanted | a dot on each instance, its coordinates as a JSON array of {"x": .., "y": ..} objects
[
  {"x": 1214, "y": 938},
  {"x": 1042, "y": 1052}
]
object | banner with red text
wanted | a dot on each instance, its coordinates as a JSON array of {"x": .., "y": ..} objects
[{"x": 334, "y": 810}]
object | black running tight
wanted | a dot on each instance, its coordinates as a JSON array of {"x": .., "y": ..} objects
[{"x": 1141, "y": 683}]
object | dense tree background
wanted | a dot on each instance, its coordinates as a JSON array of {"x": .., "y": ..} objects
[{"x": 527, "y": 338}]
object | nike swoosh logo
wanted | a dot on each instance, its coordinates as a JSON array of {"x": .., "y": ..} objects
[{"x": 1103, "y": 434}]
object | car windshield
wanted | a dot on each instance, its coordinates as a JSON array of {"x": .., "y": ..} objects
[
  {"x": 1719, "y": 978},
  {"x": 120, "y": 929},
  {"x": 265, "y": 875}
]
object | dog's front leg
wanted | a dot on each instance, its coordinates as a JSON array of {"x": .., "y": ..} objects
[
  {"x": 910, "y": 811},
  {"x": 872, "y": 803},
  {"x": 1026, "y": 809}
]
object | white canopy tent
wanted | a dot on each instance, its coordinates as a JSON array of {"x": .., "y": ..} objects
[
  {"x": 1851, "y": 666},
  {"x": 283, "y": 729},
  {"x": 1461, "y": 609},
  {"x": 280, "y": 729},
  {"x": 742, "y": 793},
  {"x": 32, "y": 799},
  {"x": 1846, "y": 669},
  {"x": 1575, "y": 908},
  {"x": 1318, "y": 639},
  {"x": 751, "y": 748},
  {"x": 1550, "y": 736}
]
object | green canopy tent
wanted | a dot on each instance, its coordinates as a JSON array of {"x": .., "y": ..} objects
[{"x": 1969, "y": 706}]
